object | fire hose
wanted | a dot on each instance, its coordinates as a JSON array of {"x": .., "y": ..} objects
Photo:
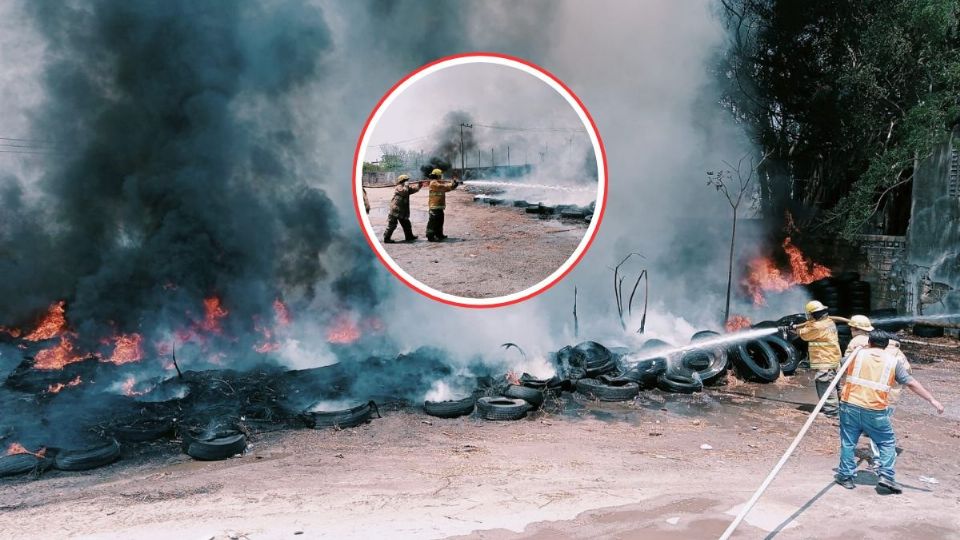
[{"x": 793, "y": 446}]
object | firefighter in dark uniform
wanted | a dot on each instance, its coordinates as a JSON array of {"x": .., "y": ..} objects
[
  {"x": 437, "y": 202},
  {"x": 400, "y": 210}
]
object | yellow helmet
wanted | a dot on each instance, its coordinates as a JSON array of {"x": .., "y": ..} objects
[
  {"x": 401, "y": 179},
  {"x": 814, "y": 306},
  {"x": 436, "y": 172},
  {"x": 861, "y": 322}
]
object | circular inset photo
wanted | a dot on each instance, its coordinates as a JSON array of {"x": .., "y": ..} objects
[{"x": 480, "y": 180}]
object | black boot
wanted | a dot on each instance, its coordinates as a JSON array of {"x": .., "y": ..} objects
[
  {"x": 846, "y": 482},
  {"x": 890, "y": 484},
  {"x": 411, "y": 239},
  {"x": 388, "y": 241}
]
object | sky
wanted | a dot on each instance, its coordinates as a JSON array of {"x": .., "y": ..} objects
[{"x": 490, "y": 94}]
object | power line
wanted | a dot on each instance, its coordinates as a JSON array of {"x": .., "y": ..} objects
[
  {"x": 20, "y": 139},
  {"x": 541, "y": 129},
  {"x": 24, "y": 152}
]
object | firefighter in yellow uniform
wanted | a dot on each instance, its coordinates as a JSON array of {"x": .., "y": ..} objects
[
  {"x": 863, "y": 408},
  {"x": 860, "y": 328},
  {"x": 437, "y": 201},
  {"x": 820, "y": 333}
]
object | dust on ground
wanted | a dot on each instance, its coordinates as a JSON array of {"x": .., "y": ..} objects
[
  {"x": 491, "y": 250},
  {"x": 590, "y": 470}
]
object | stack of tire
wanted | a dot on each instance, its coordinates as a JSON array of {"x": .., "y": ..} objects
[
  {"x": 587, "y": 359},
  {"x": 98, "y": 454},
  {"x": 827, "y": 291}
]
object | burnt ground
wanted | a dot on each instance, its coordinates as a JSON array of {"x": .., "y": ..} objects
[
  {"x": 590, "y": 470},
  {"x": 491, "y": 250}
]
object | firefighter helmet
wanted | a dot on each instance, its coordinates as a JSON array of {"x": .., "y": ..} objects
[
  {"x": 402, "y": 178},
  {"x": 436, "y": 173},
  {"x": 861, "y": 322},
  {"x": 814, "y": 306}
]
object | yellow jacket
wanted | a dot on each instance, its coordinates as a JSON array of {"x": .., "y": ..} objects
[
  {"x": 824, "y": 344},
  {"x": 437, "y": 200}
]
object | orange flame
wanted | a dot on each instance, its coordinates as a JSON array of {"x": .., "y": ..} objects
[
  {"x": 213, "y": 313},
  {"x": 52, "y": 325},
  {"x": 343, "y": 330},
  {"x": 737, "y": 322},
  {"x": 126, "y": 348},
  {"x": 58, "y": 356},
  {"x": 55, "y": 388},
  {"x": 128, "y": 387},
  {"x": 12, "y": 332},
  {"x": 281, "y": 313},
  {"x": 17, "y": 448},
  {"x": 764, "y": 276}
]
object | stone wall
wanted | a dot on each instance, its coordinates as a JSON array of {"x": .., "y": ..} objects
[{"x": 881, "y": 262}]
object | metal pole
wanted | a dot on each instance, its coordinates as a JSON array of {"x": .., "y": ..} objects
[
  {"x": 508, "y": 155},
  {"x": 492, "y": 163}
]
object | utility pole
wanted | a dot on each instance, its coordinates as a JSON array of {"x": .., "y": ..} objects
[
  {"x": 508, "y": 155},
  {"x": 463, "y": 166},
  {"x": 492, "y": 162},
  {"x": 478, "y": 158}
]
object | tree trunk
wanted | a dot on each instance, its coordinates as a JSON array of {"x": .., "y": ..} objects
[{"x": 733, "y": 237}]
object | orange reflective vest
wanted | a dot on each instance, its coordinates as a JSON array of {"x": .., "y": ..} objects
[
  {"x": 823, "y": 342},
  {"x": 870, "y": 377}
]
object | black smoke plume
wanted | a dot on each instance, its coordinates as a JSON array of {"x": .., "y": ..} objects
[{"x": 176, "y": 180}]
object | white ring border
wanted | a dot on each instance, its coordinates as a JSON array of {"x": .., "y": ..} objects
[{"x": 597, "y": 152}]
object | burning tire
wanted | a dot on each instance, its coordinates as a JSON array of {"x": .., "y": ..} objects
[
  {"x": 608, "y": 389},
  {"x": 786, "y": 354},
  {"x": 213, "y": 446},
  {"x": 927, "y": 331},
  {"x": 756, "y": 360},
  {"x": 88, "y": 458},
  {"x": 501, "y": 408},
  {"x": 17, "y": 464},
  {"x": 531, "y": 395},
  {"x": 143, "y": 430},
  {"x": 351, "y": 417},
  {"x": 679, "y": 381},
  {"x": 646, "y": 372},
  {"x": 450, "y": 409}
]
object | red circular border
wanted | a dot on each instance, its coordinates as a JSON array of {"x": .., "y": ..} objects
[{"x": 603, "y": 155}]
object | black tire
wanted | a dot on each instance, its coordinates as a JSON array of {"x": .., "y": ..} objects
[
  {"x": 143, "y": 430},
  {"x": 786, "y": 354},
  {"x": 501, "y": 408},
  {"x": 679, "y": 381},
  {"x": 609, "y": 389},
  {"x": 765, "y": 324},
  {"x": 703, "y": 334},
  {"x": 710, "y": 364},
  {"x": 222, "y": 446},
  {"x": 796, "y": 318},
  {"x": 603, "y": 369},
  {"x": 450, "y": 409},
  {"x": 756, "y": 360},
  {"x": 654, "y": 348},
  {"x": 553, "y": 384},
  {"x": 927, "y": 331},
  {"x": 645, "y": 372},
  {"x": 87, "y": 458},
  {"x": 345, "y": 418},
  {"x": 17, "y": 464},
  {"x": 594, "y": 354},
  {"x": 531, "y": 395}
]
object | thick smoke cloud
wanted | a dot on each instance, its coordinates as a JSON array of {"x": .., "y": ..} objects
[
  {"x": 177, "y": 178},
  {"x": 200, "y": 138}
]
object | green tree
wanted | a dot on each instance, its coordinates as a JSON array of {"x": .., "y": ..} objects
[{"x": 844, "y": 95}]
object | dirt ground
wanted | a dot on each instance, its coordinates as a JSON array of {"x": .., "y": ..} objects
[
  {"x": 586, "y": 470},
  {"x": 491, "y": 250}
]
